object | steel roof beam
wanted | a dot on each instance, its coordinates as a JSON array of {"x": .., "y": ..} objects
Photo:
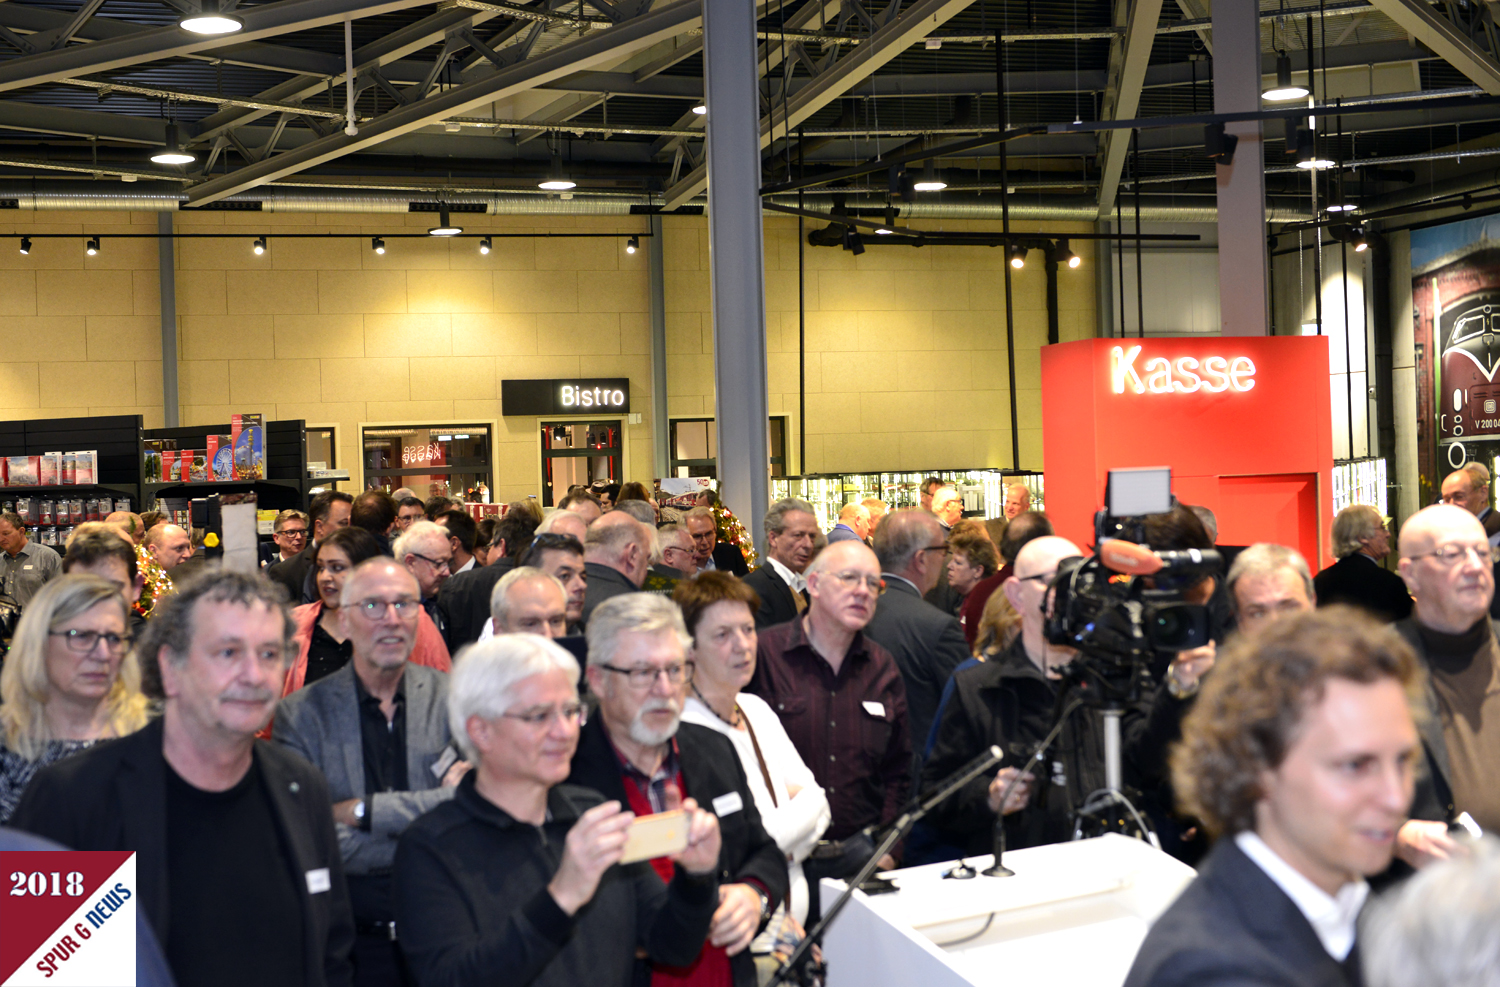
[
  {"x": 1122, "y": 96},
  {"x": 596, "y": 47},
  {"x": 920, "y": 20},
  {"x": 1437, "y": 32}
]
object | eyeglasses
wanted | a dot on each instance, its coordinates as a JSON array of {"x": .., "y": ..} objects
[
  {"x": 84, "y": 642},
  {"x": 375, "y": 609},
  {"x": 640, "y": 678},
  {"x": 567, "y": 713},
  {"x": 293, "y": 532},
  {"x": 849, "y": 580},
  {"x": 1041, "y": 577},
  {"x": 1452, "y": 554},
  {"x": 438, "y": 564},
  {"x": 936, "y": 548}
]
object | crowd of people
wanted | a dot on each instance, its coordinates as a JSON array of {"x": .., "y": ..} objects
[{"x": 412, "y": 747}]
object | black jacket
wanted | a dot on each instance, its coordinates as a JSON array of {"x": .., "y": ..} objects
[
  {"x": 113, "y": 797},
  {"x": 604, "y": 582},
  {"x": 1234, "y": 926},
  {"x": 927, "y": 644},
  {"x": 710, "y": 769},
  {"x": 463, "y": 603},
  {"x": 729, "y": 559},
  {"x": 1434, "y": 796},
  {"x": 292, "y": 574},
  {"x": 776, "y": 603},
  {"x": 1358, "y": 580},
  {"x": 473, "y": 907}
]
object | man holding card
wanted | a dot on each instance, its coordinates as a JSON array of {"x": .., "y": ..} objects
[
  {"x": 635, "y": 749},
  {"x": 378, "y": 729},
  {"x": 521, "y": 880}
]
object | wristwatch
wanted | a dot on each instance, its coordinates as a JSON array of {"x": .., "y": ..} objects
[
  {"x": 765, "y": 904},
  {"x": 361, "y": 814}
]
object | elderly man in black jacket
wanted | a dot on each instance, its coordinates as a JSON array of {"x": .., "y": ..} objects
[
  {"x": 518, "y": 880},
  {"x": 238, "y": 865},
  {"x": 791, "y": 531},
  {"x": 616, "y": 556},
  {"x": 636, "y": 749}
]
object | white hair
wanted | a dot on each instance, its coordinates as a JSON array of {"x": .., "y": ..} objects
[
  {"x": 1440, "y": 927},
  {"x": 500, "y": 595},
  {"x": 643, "y": 613},
  {"x": 420, "y": 533},
  {"x": 486, "y": 673}
]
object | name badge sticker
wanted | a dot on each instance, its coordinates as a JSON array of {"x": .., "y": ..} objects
[
  {"x": 728, "y": 804},
  {"x": 874, "y": 708},
  {"x": 444, "y": 762},
  {"x": 318, "y": 880}
]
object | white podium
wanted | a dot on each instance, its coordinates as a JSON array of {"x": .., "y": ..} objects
[{"x": 1073, "y": 914}]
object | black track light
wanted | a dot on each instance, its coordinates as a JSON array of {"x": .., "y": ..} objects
[
  {"x": 1017, "y": 256},
  {"x": 25, "y": 244},
  {"x": 1218, "y": 145},
  {"x": 485, "y": 246},
  {"x": 632, "y": 245},
  {"x": 92, "y": 247},
  {"x": 1064, "y": 255},
  {"x": 377, "y": 244},
  {"x": 853, "y": 242},
  {"x": 1361, "y": 240},
  {"x": 259, "y": 246}
]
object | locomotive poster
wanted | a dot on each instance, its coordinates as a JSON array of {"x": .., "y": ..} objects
[{"x": 1455, "y": 295}]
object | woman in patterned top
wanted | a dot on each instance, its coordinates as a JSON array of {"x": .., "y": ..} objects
[{"x": 69, "y": 681}]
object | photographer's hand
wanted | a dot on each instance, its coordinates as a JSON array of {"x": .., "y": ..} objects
[{"x": 1190, "y": 666}]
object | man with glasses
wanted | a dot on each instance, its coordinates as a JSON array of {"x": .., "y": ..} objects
[
  {"x": 290, "y": 536},
  {"x": 329, "y": 511},
  {"x": 839, "y": 694},
  {"x": 1469, "y": 488},
  {"x": 408, "y": 510},
  {"x": 635, "y": 750},
  {"x": 378, "y": 730},
  {"x": 426, "y": 552},
  {"x": 238, "y": 866},
  {"x": 1447, "y": 562},
  {"x": 927, "y": 643}
]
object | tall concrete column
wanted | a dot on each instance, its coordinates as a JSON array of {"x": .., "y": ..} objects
[
  {"x": 166, "y": 256},
  {"x": 656, "y": 273},
  {"x": 736, "y": 258},
  {"x": 1242, "y": 185}
]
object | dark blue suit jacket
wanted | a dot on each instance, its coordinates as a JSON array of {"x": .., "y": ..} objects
[{"x": 1233, "y": 927}]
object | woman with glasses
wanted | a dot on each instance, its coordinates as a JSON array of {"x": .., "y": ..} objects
[
  {"x": 68, "y": 682},
  {"x": 322, "y": 647},
  {"x": 719, "y": 612}
]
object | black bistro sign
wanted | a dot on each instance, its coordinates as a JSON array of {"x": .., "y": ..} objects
[{"x": 564, "y": 397}]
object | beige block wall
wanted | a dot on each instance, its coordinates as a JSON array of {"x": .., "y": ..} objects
[{"x": 905, "y": 347}]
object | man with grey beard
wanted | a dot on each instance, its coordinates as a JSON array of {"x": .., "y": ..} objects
[{"x": 637, "y": 751}]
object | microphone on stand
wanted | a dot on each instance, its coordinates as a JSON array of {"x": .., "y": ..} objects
[{"x": 998, "y": 868}]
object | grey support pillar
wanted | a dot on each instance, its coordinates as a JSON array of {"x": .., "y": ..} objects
[
  {"x": 661, "y": 434},
  {"x": 736, "y": 258},
  {"x": 1242, "y": 185},
  {"x": 168, "y": 267}
]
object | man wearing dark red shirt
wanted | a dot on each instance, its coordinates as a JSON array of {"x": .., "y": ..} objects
[
  {"x": 635, "y": 749},
  {"x": 839, "y": 694}
]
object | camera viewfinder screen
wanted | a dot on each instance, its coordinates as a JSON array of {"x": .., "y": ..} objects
[{"x": 1133, "y": 492}]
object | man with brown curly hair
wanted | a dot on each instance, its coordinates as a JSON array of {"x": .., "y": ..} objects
[{"x": 1300, "y": 757}]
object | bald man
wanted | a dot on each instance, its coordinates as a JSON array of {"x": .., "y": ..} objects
[
  {"x": 854, "y": 524},
  {"x": 840, "y": 695},
  {"x": 378, "y": 730},
  {"x": 565, "y": 522},
  {"x": 1017, "y": 500},
  {"x": 169, "y": 544},
  {"x": 1011, "y": 700},
  {"x": 129, "y": 524},
  {"x": 1447, "y": 562},
  {"x": 616, "y": 556}
]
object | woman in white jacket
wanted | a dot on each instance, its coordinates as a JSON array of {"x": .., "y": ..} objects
[{"x": 719, "y": 611}]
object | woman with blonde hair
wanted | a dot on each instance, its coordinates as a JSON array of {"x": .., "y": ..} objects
[{"x": 69, "y": 681}]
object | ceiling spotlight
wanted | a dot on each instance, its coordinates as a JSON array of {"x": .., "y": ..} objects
[
  {"x": 889, "y": 226},
  {"x": 701, "y": 110},
  {"x": 92, "y": 246},
  {"x": 172, "y": 152},
  {"x": 444, "y": 227},
  {"x": 853, "y": 242},
  {"x": 1219, "y": 146},
  {"x": 1337, "y": 204},
  {"x": 485, "y": 245},
  {"x": 1307, "y": 158},
  {"x": 1017, "y": 256},
  {"x": 1284, "y": 89},
  {"x": 377, "y": 244},
  {"x": 1066, "y": 256},
  {"x": 25, "y": 244},
  {"x": 209, "y": 20},
  {"x": 929, "y": 182},
  {"x": 259, "y": 246},
  {"x": 632, "y": 245},
  {"x": 557, "y": 180},
  {"x": 1361, "y": 240}
]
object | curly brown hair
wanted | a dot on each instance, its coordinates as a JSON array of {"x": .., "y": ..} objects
[
  {"x": 978, "y": 549},
  {"x": 1250, "y": 710},
  {"x": 695, "y": 596}
]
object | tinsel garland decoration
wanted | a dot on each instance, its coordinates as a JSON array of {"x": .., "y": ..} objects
[
  {"x": 733, "y": 532},
  {"x": 158, "y": 583}
]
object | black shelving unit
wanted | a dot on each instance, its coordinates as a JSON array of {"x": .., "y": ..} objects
[
  {"x": 117, "y": 438},
  {"x": 285, "y": 484}
]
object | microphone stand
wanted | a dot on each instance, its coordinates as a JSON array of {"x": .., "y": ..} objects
[
  {"x": 897, "y": 832},
  {"x": 998, "y": 868}
]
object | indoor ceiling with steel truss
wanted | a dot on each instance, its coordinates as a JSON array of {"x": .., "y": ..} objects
[{"x": 468, "y": 101}]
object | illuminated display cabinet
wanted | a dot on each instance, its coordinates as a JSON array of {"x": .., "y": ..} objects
[
  {"x": 982, "y": 490},
  {"x": 1360, "y": 481}
]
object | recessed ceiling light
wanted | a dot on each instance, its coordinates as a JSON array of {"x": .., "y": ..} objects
[
  {"x": 209, "y": 20},
  {"x": 172, "y": 152}
]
